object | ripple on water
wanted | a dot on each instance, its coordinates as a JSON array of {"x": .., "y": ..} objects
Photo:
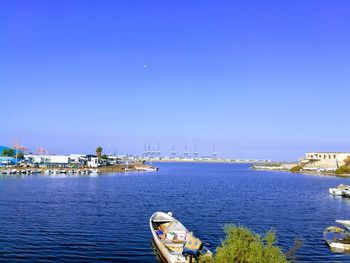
[{"x": 106, "y": 218}]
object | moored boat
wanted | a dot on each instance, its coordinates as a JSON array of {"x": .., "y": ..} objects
[
  {"x": 338, "y": 238},
  {"x": 146, "y": 168},
  {"x": 150, "y": 169},
  {"x": 175, "y": 243},
  {"x": 342, "y": 190},
  {"x": 346, "y": 191}
]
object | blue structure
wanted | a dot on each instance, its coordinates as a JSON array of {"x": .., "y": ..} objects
[
  {"x": 3, "y": 148},
  {"x": 5, "y": 160}
]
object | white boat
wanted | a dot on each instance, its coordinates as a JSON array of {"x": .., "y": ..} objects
[
  {"x": 150, "y": 169},
  {"x": 346, "y": 191},
  {"x": 173, "y": 240},
  {"x": 335, "y": 191},
  {"x": 146, "y": 168},
  {"x": 340, "y": 190}
]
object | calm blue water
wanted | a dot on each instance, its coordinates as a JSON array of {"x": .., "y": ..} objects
[{"x": 106, "y": 218}]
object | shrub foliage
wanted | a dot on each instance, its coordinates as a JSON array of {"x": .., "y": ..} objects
[
  {"x": 343, "y": 170},
  {"x": 347, "y": 161},
  {"x": 296, "y": 169},
  {"x": 243, "y": 246},
  {"x": 8, "y": 152}
]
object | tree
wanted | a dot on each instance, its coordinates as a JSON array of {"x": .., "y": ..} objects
[
  {"x": 20, "y": 155},
  {"x": 343, "y": 170},
  {"x": 99, "y": 151},
  {"x": 243, "y": 246},
  {"x": 104, "y": 157},
  {"x": 8, "y": 152},
  {"x": 296, "y": 169},
  {"x": 347, "y": 161}
]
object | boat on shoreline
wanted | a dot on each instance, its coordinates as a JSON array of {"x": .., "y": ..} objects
[{"x": 174, "y": 242}]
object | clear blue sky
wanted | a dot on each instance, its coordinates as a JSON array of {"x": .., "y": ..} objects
[{"x": 259, "y": 79}]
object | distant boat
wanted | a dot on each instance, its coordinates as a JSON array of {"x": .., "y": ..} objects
[
  {"x": 146, "y": 168},
  {"x": 338, "y": 238},
  {"x": 149, "y": 169},
  {"x": 175, "y": 243},
  {"x": 342, "y": 190}
]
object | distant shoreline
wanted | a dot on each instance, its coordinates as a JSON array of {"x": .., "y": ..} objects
[
  {"x": 69, "y": 170},
  {"x": 229, "y": 161},
  {"x": 300, "y": 172}
]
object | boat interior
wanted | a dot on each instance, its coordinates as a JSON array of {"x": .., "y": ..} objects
[
  {"x": 337, "y": 234},
  {"x": 171, "y": 233}
]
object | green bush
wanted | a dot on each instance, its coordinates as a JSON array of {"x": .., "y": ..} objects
[
  {"x": 104, "y": 157},
  {"x": 8, "y": 152},
  {"x": 20, "y": 155},
  {"x": 347, "y": 161},
  {"x": 243, "y": 246},
  {"x": 296, "y": 169},
  {"x": 343, "y": 170}
]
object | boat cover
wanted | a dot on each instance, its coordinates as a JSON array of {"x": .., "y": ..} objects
[{"x": 160, "y": 218}]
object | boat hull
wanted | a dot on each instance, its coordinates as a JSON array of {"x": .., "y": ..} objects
[
  {"x": 170, "y": 258},
  {"x": 339, "y": 247},
  {"x": 336, "y": 191}
]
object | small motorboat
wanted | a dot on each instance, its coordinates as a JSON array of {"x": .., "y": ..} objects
[
  {"x": 150, "y": 169},
  {"x": 175, "y": 243},
  {"x": 338, "y": 238},
  {"x": 341, "y": 190},
  {"x": 146, "y": 168}
]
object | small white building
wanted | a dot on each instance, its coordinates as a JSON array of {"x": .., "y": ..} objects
[
  {"x": 93, "y": 162},
  {"x": 323, "y": 160}
]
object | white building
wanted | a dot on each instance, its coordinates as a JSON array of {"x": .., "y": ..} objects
[
  {"x": 47, "y": 159},
  {"x": 93, "y": 162},
  {"x": 78, "y": 159},
  {"x": 323, "y": 160}
]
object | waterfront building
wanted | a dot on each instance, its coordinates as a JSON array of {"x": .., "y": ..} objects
[
  {"x": 323, "y": 160},
  {"x": 92, "y": 161},
  {"x": 49, "y": 160},
  {"x": 4, "y": 160},
  {"x": 8, "y": 160},
  {"x": 79, "y": 159},
  {"x": 74, "y": 159}
]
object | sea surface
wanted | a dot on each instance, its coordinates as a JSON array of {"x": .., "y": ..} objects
[{"x": 106, "y": 218}]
